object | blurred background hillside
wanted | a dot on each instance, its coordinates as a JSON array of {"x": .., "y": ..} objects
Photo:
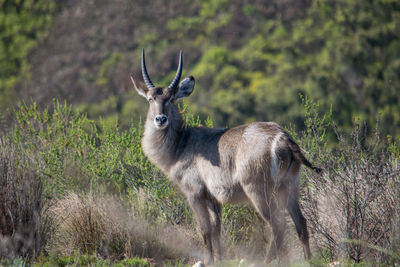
[{"x": 251, "y": 59}]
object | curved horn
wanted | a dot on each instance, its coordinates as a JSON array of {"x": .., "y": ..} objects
[
  {"x": 146, "y": 77},
  {"x": 175, "y": 82}
]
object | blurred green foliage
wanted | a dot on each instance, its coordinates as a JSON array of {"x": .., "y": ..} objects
[
  {"x": 23, "y": 25},
  {"x": 345, "y": 54}
]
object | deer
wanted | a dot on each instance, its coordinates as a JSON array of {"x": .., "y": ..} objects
[{"x": 257, "y": 163}]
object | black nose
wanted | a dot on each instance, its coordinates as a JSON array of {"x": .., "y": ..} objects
[{"x": 161, "y": 119}]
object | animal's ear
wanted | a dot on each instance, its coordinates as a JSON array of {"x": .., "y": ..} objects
[
  {"x": 185, "y": 88},
  {"x": 140, "y": 91}
]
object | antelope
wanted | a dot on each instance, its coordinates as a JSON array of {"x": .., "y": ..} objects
[{"x": 257, "y": 163}]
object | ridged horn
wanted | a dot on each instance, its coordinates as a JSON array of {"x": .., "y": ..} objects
[
  {"x": 146, "y": 77},
  {"x": 175, "y": 82}
]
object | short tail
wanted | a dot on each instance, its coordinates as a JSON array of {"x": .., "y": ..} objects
[{"x": 299, "y": 156}]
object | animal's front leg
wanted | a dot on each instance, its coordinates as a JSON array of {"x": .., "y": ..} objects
[
  {"x": 198, "y": 204},
  {"x": 214, "y": 209}
]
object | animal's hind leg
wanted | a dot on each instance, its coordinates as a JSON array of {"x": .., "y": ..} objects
[
  {"x": 214, "y": 210},
  {"x": 291, "y": 193},
  {"x": 278, "y": 225},
  {"x": 300, "y": 222},
  {"x": 265, "y": 203}
]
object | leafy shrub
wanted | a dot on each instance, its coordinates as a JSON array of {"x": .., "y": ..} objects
[{"x": 76, "y": 153}]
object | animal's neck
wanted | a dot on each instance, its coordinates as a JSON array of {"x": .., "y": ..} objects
[{"x": 160, "y": 145}]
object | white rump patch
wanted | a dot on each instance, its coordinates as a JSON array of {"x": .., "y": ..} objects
[{"x": 274, "y": 161}]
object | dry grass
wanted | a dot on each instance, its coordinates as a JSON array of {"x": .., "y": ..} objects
[{"x": 102, "y": 226}]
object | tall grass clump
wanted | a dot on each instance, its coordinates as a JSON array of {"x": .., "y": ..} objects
[
  {"x": 104, "y": 226},
  {"x": 353, "y": 208},
  {"x": 24, "y": 225}
]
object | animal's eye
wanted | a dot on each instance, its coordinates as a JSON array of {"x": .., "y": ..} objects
[{"x": 151, "y": 100}]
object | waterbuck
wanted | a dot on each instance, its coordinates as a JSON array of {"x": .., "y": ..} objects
[{"x": 257, "y": 163}]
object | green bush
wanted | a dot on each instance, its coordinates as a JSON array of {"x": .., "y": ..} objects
[{"x": 79, "y": 154}]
